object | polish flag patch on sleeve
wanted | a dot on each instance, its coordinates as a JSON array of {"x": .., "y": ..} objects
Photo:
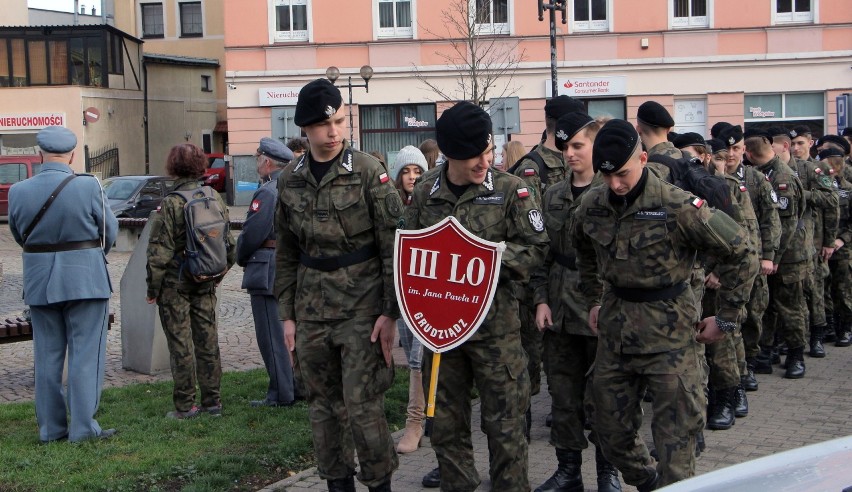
[
  {"x": 529, "y": 172},
  {"x": 255, "y": 205},
  {"x": 523, "y": 193},
  {"x": 697, "y": 203},
  {"x": 782, "y": 186},
  {"x": 384, "y": 178}
]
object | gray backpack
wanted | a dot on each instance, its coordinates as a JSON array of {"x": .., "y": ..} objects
[{"x": 206, "y": 255}]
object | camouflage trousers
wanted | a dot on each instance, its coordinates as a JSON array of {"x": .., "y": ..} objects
[
  {"x": 676, "y": 379},
  {"x": 840, "y": 289},
  {"x": 189, "y": 322},
  {"x": 497, "y": 366},
  {"x": 531, "y": 341},
  {"x": 815, "y": 291},
  {"x": 725, "y": 358},
  {"x": 345, "y": 378},
  {"x": 568, "y": 359},
  {"x": 787, "y": 309},
  {"x": 752, "y": 325}
]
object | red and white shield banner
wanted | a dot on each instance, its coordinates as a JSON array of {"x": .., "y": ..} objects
[{"x": 445, "y": 279}]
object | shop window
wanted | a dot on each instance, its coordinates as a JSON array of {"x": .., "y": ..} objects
[
  {"x": 786, "y": 110},
  {"x": 490, "y": 16},
  {"x": 152, "y": 20},
  {"x": 690, "y": 14},
  {"x": 291, "y": 20},
  {"x": 395, "y": 19},
  {"x": 387, "y": 129},
  {"x": 604, "y": 107},
  {"x": 191, "y": 24},
  {"x": 590, "y": 15},
  {"x": 791, "y": 11}
]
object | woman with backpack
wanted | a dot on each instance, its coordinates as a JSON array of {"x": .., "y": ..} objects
[{"x": 186, "y": 296}]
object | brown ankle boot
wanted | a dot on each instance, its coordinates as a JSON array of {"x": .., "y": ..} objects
[{"x": 414, "y": 423}]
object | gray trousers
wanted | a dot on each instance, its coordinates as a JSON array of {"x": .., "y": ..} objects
[
  {"x": 79, "y": 327},
  {"x": 270, "y": 341}
]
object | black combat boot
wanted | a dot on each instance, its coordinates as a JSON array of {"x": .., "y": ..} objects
[
  {"x": 651, "y": 483},
  {"x": 432, "y": 480},
  {"x": 700, "y": 444},
  {"x": 385, "y": 487},
  {"x": 341, "y": 485},
  {"x": 567, "y": 477},
  {"x": 843, "y": 332},
  {"x": 721, "y": 415},
  {"x": 607, "y": 474},
  {"x": 817, "y": 350},
  {"x": 748, "y": 380},
  {"x": 763, "y": 361},
  {"x": 829, "y": 336},
  {"x": 795, "y": 363},
  {"x": 740, "y": 402}
]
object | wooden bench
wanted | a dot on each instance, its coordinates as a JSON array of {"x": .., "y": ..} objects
[{"x": 20, "y": 329}]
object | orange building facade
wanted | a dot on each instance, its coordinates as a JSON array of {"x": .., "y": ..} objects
[{"x": 769, "y": 61}]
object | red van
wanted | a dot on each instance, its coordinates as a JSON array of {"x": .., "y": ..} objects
[
  {"x": 14, "y": 168},
  {"x": 214, "y": 176}
]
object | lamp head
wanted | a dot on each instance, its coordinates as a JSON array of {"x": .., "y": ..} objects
[
  {"x": 332, "y": 74},
  {"x": 366, "y": 72}
]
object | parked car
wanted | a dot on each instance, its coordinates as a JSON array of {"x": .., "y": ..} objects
[
  {"x": 14, "y": 168},
  {"x": 214, "y": 176},
  {"x": 136, "y": 196}
]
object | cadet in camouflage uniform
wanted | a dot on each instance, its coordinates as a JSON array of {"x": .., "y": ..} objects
[
  {"x": 787, "y": 306},
  {"x": 537, "y": 180},
  {"x": 821, "y": 225},
  {"x": 840, "y": 264},
  {"x": 653, "y": 122},
  {"x": 765, "y": 204},
  {"x": 337, "y": 212},
  {"x": 569, "y": 344},
  {"x": 494, "y": 206},
  {"x": 636, "y": 240},
  {"x": 187, "y": 308}
]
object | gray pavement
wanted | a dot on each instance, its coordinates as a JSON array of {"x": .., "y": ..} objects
[{"x": 785, "y": 414}]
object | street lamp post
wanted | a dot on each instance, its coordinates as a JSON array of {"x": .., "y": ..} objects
[
  {"x": 552, "y": 6},
  {"x": 366, "y": 72}
]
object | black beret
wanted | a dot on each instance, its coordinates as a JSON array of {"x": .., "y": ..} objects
[
  {"x": 847, "y": 132},
  {"x": 829, "y": 152},
  {"x": 799, "y": 131},
  {"x": 56, "y": 140},
  {"x": 716, "y": 145},
  {"x": 758, "y": 133},
  {"x": 318, "y": 101},
  {"x": 717, "y": 128},
  {"x": 672, "y": 136},
  {"x": 836, "y": 140},
  {"x": 463, "y": 131},
  {"x": 614, "y": 144},
  {"x": 689, "y": 139},
  {"x": 568, "y": 125},
  {"x": 275, "y": 150},
  {"x": 557, "y": 106},
  {"x": 731, "y": 134},
  {"x": 777, "y": 130},
  {"x": 654, "y": 114}
]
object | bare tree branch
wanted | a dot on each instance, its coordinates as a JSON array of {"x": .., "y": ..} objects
[{"x": 485, "y": 63}]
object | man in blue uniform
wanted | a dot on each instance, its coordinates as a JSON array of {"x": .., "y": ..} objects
[
  {"x": 65, "y": 227},
  {"x": 256, "y": 254}
]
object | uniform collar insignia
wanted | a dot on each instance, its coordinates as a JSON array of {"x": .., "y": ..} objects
[
  {"x": 489, "y": 181},
  {"x": 436, "y": 186},
  {"x": 740, "y": 171},
  {"x": 346, "y": 162},
  {"x": 301, "y": 162}
]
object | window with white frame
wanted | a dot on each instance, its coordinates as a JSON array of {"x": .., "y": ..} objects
[
  {"x": 152, "y": 20},
  {"x": 395, "y": 18},
  {"x": 590, "y": 15},
  {"x": 490, "y": 16},
  {"x": 794, "y": 11},
  {"x": 291, "y": 20},
  {"x": 690, "y": 13},
  {"x": 190, "y": 19}
]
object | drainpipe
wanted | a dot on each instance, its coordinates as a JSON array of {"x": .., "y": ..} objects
[{"x": 145, "y": 115}]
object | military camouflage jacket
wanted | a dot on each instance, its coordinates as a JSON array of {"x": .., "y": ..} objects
[
  {"x": 500, "y": 209},
  {"x": 665, "y": 148},
  {"x": 168, "y": 240},
  {"x": 844, "y": 233},
  {"x": 555, "y": 283},
  {"x": 743, "y": 214},
  {"x": 354, "y": 207},
  {"x": 652, "y": 244},
  {"x": 529, "y": 172},
  {"x": 764, "y": 201},
  {"x": 796, "y": 244},
  {"x": 821, "y": 199}
]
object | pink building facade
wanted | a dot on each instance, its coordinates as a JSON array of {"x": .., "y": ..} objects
[{"x": 757, "y": 62}]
